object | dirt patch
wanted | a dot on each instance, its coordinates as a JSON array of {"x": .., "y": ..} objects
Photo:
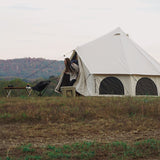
[{"x": 40, "y": 135}]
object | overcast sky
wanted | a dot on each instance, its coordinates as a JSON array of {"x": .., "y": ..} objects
[{"x": 51, "y": 28}]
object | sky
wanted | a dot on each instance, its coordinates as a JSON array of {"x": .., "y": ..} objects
[{"x": 53, "y": 28}]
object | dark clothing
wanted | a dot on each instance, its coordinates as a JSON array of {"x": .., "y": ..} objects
[
  {"x": 72, "y": 82},
  {"x": 74, "y": 61},
  {"x": 66, "y": 80}
]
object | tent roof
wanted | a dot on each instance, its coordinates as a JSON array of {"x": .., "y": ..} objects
[{"x": 116, "y": 53}]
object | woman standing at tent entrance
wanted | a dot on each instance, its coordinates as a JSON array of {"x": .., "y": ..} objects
[{"x": 71, "y": 72}]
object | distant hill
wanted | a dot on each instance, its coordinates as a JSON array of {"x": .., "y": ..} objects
[{"x": 30, "y": 68}]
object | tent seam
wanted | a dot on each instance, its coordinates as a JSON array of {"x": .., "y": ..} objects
[{"x": 125, "y": 55}]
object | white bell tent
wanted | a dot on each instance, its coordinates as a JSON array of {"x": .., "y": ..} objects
[{"x": 115, "y": 65}]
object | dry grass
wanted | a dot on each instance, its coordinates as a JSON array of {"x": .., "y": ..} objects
[
  {"x": 58, "y": 121},
  {"x": 58, "y": 109}
]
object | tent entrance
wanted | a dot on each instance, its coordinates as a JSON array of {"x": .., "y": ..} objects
[{"x": 64, "y": 79}]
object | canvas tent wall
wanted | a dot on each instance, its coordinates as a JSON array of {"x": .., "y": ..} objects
[{"x": 115, "y": 65}]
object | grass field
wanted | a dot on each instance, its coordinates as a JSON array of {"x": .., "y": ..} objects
[{"x": 80, "y": 128}]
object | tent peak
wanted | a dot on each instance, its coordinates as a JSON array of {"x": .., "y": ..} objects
[{"x": 117, "y": 32}]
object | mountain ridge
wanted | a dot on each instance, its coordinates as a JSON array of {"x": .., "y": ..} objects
[{"x": 30, "y": 68}]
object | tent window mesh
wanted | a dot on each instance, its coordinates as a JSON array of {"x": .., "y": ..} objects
[
  {"x": 111, "y": 85},
  {"x": 146, "y": 86}
]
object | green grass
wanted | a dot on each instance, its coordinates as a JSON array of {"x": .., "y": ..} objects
[
  {"x": 92, "y": 150},
  {"x": 27, "y": 148},
  {"x": 5, "y": 115}
]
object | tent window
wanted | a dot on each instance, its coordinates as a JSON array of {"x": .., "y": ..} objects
[
  {"x": 146, "y": 86},
  {"x": 111, "y": 85}
]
